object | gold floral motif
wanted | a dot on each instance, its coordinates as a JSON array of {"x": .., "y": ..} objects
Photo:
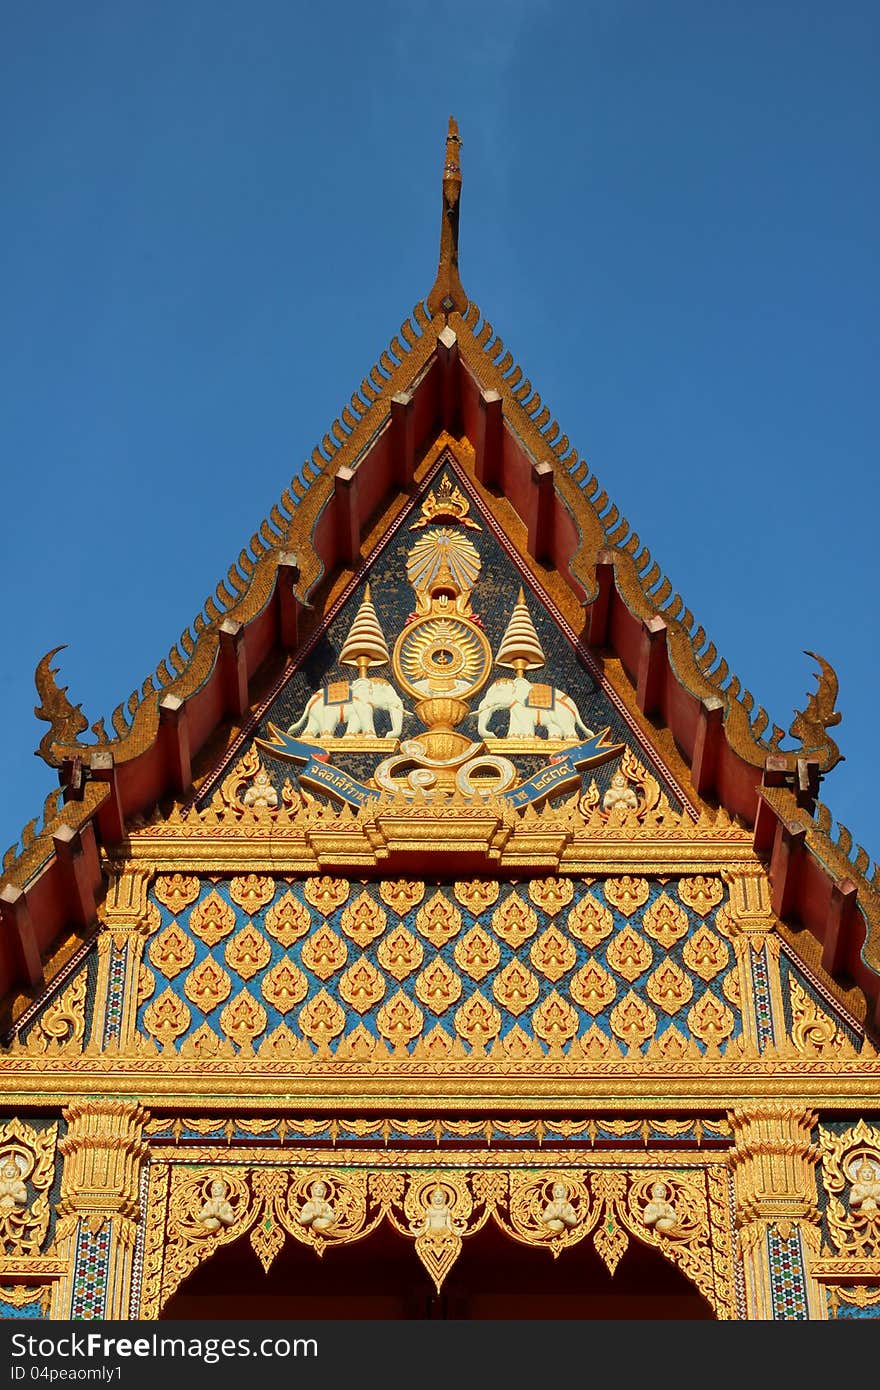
[
  {"x": 477, "y": 895},
  {"x": 362, "y": 985},
  {"x": 64, "y": 1019},
  {"x": 401, "y": 894},
  {"x": 439, "y": 920},
  {"x": 207, "y": 985},
  {"x": 357, "y": 1046},
  {"x": 364, "y": 920},
  {"x": 626, "y": 893},
  {"x": 438, "y": 987},
  {"x": 324, "y": 952},
  {"x": 518, "y": 1044},
  {"x": 669, "y": 987},
  {"x": 550, "y": 895},
  {"x": 248, "y": 952},
  {"x": 851, "y": 1176},
  {"x": 325, "y": 1208},
  {"x": 400, "y": 1020},
  {"x": 146, "y": 983},
  {"x": 243, "y": 1018},
  {"x": 629, "y": 954},
  {"x": 672, "y": 1043},
  {"x": 710, "y": 1020},
  {"x": 665, "y": 921},
  {"x": 172, "y": 950},
  {"x": 167, "y": 1017},
  {"x": 284, "y": 986},
  {"x": 701, "y": 893},
  {"x": 731, "y": 988},
  {"x": 552, "y": 954},
  {"x": 212, "y": 919},
  {"x": 811, "y": 1028},
  {"x": 322, "y": 1019},
  {"x": 435, "y": 1045},
  {"x": 590, "y": 921},
  {"x": 287, "y": 920},
  {"x": 476, "y": 953},
  {"x": 592, "y": 987},
  {"x": 477, "y": 1021},
  {"x": 326, "y": 893},
  {"x": 27, "y": 1167},
  {"x": 555, "y": 1021},
  {"x": 400, "y": 953},
  {"x": 550, "y": 1209},
  {"x": 705, "y": 953},
  {"x": 252, "y": 891},
  {"x": 514, "y": 920},
  {"x": 633, "y": 1020},
  {"x": 176, "y": 891},
  {"x": 515, "y": 988}
]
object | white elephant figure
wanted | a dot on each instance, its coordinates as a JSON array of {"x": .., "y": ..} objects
[
  {"x": 352, "y": 703},
  {"x": 531, "y": 707}
]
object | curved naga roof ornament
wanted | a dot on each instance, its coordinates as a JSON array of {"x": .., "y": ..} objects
[
  {"x": 810, "y": 725},
  {"x": 66, "y": 721}
]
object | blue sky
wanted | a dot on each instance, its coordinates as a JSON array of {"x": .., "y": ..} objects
[{"x": 216, "y": 215}]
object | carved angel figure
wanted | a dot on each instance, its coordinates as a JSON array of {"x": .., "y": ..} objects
[
  {"x": 438, "y": 1216},
  {"x": 217, "y": 1210},
  {"x": 318, "y": 1213},
  {"x": 559, "y": 1213},
  {"x": 659, "y": 1211},
  {"x": 13, "y": 1192},
  {"x": 865, "y": 1191},
  {"x": 620, "y": 793},
  {"x": 261, "y": 792}
]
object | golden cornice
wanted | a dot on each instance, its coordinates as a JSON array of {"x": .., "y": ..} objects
[{"x": 22, "y": 867}]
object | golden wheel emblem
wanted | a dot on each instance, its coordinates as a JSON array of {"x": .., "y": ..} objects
[{"x": 442, "y": 656}]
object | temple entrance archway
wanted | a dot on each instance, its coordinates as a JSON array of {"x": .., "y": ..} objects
[{"x": 494, "y": 1277}]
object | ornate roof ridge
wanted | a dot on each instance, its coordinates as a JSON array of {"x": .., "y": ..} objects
[
  {"x": 247, "y": 585},
  {"x": 642, "y": 584}
]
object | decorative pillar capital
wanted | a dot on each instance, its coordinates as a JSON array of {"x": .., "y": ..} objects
[{"x": 103, "y": 1151}]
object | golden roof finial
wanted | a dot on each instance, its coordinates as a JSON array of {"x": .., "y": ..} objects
[{"x": 448, "y": 293}]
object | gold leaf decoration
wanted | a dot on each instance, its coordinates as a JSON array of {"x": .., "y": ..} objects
[
  {"x": 710, "y": 1020},
  {"x": 514, "y": 921},
  {"x": 669, "y": 987},
  {"x": 247, "y": 952},
  {"x": 629, "y": 954},
  {"x": 324, "y": 952},
  {"x": 477, "y": 895},
  {"x": 362, "y": 985},
  {"x": 322, "y": 1019},
  {"x": 550, "y": 895},
  {"x": 364, "y": 920},
  {"x": 357, "y": 1046},
  {"x": 243, "y": 1018},
  {"x": 590, "y": 921},
  {"x": 595, "y": 1044},
  {"x": 665, "y": 921},
  {"x": 811, "y": 1028},
  {"x": 476, "y": 953},
  {"x": 436, "y": 1044},
  {"x": 592, "y": 987},
  {"x": 176, "y": 891},
  {"x": 400, "y": 953},
  {"x": 672, "y": 1043},
  {"x": 287, "y": 920},
  {"x": 439, "y": 920},
  {"x": 212, "y": 918},
  {"x": 705, "y": 953},
  {"x": 731, "y": 988},
  {"x": 146, "y": 983},
  {"x": 172, "y": 950},
  {"x": 167, "y": 1017},
  {"x": 477, "y": 1021},
  {"x": 701, "y": 893},
  {"x": 401, "y": 894},
  {"x": 64, "y": 1020},
  {"x": 438, "y": 987},
  {"x": 400, "y": 1020},
  {"x": 555, "y": 1021},
  {"x": 633, "y": 1020},
  {"x": 626, "y": 893},
  {"x": 207, "y": 985},
  {"x": 515, "y": 987},
  {"x": 284, "y": 986},
  {"x": 552, "y": 954},
  {"x": 252, "y": 891},
  {"x": 326, "y": 893}
]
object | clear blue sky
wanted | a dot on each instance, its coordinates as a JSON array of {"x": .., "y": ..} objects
[{"x": 215, "y": 215}]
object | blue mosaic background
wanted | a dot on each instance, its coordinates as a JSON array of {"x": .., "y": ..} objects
[{"x": 484, "y": 986}]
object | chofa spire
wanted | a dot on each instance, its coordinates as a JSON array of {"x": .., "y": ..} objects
[{"x": 448, "y": 292}]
